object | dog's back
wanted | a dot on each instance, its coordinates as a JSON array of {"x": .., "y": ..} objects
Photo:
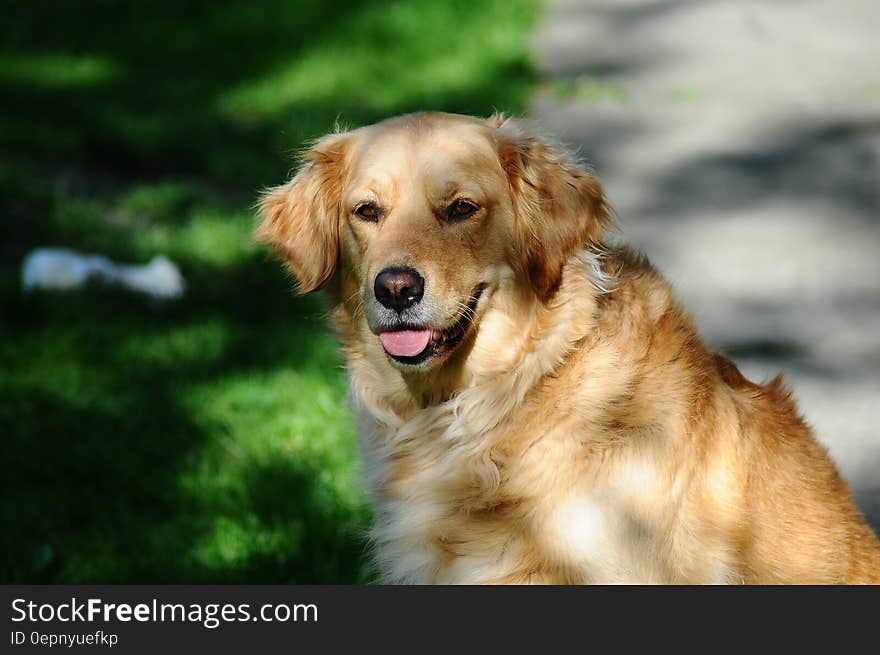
[{"x": 804, "y": 525}]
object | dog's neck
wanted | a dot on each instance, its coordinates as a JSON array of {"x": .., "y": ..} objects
[{"x": 517, "y": 332}]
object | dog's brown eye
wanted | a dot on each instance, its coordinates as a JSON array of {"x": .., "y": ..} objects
[
  {"x": 367, "y": 211},
  {"x": 461, "y": 209}
]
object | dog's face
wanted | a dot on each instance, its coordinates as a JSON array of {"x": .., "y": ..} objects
[
  {"x": 420, "y": 219},
  {"x": 426, "y": 215}
]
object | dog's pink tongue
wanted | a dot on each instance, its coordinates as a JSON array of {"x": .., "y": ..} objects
[{"x": 405, "y": 343}]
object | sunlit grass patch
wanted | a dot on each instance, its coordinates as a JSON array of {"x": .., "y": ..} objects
[
  {"x": 209, "y": 236},
  {"x": 390, "y": 55},
  {"x": 286, "y": 487}
]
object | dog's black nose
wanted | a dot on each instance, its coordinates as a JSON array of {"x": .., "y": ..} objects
[{"x": 399, "y": 288}]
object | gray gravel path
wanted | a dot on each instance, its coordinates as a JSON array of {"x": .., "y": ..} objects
[{"x": 739, "y": 142}]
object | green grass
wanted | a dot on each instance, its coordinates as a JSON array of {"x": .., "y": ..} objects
[
  {"x": 586, "y": 88},
  {"x": 206, "y": 440}
]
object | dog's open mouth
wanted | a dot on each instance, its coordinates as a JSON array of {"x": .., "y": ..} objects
[{"x": 415, "y": 345}]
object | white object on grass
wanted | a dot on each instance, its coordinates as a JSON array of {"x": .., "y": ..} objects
[{"x": 64, "y": 270}]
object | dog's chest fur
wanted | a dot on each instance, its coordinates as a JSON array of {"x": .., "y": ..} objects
[{"x": 528, "y": 501}]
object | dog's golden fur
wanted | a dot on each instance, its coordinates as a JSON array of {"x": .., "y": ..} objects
[{"x": 581, "y": 432}]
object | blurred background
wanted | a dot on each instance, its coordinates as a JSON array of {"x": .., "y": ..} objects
[{"x": 207, "y": 439}]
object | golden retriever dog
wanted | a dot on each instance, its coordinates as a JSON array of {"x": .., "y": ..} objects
[{"x": 533, "y": 405}]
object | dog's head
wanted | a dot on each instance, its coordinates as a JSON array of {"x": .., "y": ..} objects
[{"x": 419, "y": 219}]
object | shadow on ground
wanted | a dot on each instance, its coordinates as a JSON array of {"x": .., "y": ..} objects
[{"x": 836, "y": 164}]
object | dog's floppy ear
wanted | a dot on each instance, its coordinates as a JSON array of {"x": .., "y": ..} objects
[
  {"x": 559, "y": 207},
  {"x": 300, "y": 219}
]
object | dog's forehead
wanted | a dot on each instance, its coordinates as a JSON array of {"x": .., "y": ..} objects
[{"x": 407, "y": 151}]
